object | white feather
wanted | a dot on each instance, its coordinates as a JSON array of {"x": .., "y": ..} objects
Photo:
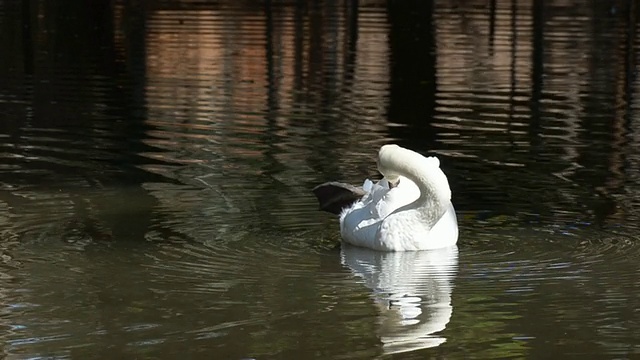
[{"x": 417, "y": 214}]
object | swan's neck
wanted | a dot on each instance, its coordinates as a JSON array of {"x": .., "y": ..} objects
[{"x": 435, "y": 193}]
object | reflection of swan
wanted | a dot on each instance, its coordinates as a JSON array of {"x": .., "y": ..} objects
[
  {"x": 413, "y": 291},
  {"x": 409, "y": 209}
]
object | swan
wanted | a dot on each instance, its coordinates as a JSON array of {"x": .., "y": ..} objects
[
  {"x": 412, "y": 291},
  {"x": 408, "y": 209}
]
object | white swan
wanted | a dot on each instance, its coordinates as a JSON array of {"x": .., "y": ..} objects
[
  {"x": 409, "y": 209},
  {"x": 412, "y": 291}
]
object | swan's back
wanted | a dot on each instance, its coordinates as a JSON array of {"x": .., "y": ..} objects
[{"x": 359, "y": 223}]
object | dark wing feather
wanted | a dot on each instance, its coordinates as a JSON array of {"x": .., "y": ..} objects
[{"x": 334, "y": 196}]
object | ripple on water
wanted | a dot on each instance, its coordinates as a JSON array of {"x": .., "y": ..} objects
[
  {"x": 164, "y": 296},
  {"x": 154, "y": 192},
  {"x": 546, "y": 290}
]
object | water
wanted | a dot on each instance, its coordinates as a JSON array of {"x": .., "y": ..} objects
[{"x": 156, "y": 162}]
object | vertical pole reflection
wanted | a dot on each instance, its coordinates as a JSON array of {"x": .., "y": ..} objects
[
  {"x": 621, "y": 126},
  {"x": 492, "y": 25},
  {"x": 27, "y": 40},
  {"x": 512, "y": 72},
  {"x": 537, "y": 74},
  {"x": 329, "y": 46},
  {"x": 413, "y": 86},
  {"x": 630, "y": 61},
  {"x": 134, "y": 20},
  {"x": 270, "y": 165},
  {"x": 269, "y": 53},
  {"x": 351, "y": 43},
  {"x": 298, "y": 44},
  {"x": 316, "y": 56}
]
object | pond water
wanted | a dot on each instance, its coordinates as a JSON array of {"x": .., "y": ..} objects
[{"x": 157, "y": 161}]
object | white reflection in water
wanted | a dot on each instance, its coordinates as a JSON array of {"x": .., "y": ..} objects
[{"x": 412, "y": 290}]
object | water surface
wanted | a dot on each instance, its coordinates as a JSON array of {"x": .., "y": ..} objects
[{"x": 156, "y": 162}]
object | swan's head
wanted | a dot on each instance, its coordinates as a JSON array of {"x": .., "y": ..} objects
[
  {"x": 387, "y": 156},
  {"x": 391, "y": 155},
  {"x": 395, "y": 161}
]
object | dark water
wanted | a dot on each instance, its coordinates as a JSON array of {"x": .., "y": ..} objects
[{"x": 156, "y": 161}]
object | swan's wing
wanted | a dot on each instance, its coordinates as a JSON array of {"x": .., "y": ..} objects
[
  {"x": 388, "y": 200},
  {"x": 334, "y": 196}
]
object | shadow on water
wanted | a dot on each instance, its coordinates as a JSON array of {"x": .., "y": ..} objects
[
  {"x": 71, "y": 159},
  {"x": 156, "y": 161}
]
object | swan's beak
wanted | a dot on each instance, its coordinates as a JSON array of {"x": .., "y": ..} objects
[{"x": 393, "y": 184}]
